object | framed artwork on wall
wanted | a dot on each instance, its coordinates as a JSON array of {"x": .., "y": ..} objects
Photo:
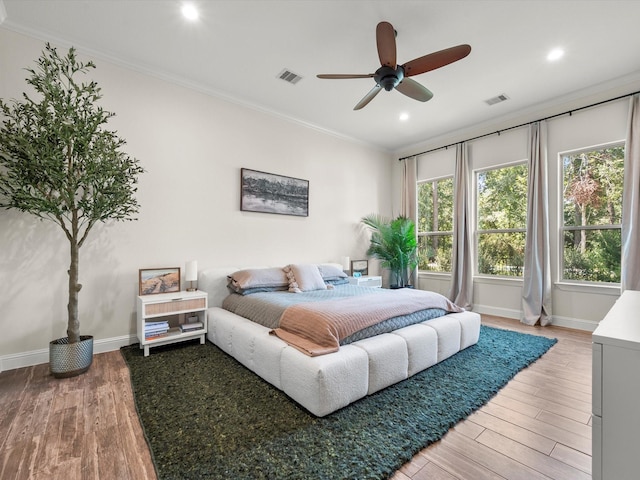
[
  {"x": 271, "y": 193},
  {"x": 359, "y": 268},
  {"x": 159, "y": 280}
]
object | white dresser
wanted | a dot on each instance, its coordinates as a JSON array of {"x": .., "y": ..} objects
[{"x": 616, "y": 392}]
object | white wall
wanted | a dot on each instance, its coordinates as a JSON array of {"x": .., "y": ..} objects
[
  {"x": 574, "y": 305},
  {"x": 192, "y": 146}
]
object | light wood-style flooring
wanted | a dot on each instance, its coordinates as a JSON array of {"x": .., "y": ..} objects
[{"x": 537, "y": 427}]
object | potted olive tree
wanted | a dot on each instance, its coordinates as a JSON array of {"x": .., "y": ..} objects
[
  {"x": 393, "y": 242},
  {"x": 59, "y": 163}
]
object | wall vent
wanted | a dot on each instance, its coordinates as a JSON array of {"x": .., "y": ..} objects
[
  {"x": 500, "y": 98},
  {"x": 289, "y": 76}
]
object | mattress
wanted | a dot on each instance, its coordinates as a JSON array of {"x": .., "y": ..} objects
[{"x": 326, "y": 383}]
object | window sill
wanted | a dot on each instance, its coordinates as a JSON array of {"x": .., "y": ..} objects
[
  {"x": 600, "y": 289},
  {"x": 603, "y": 289},
  {"x": 429, "y": 274},
  {"x": 491, "y": 280}
]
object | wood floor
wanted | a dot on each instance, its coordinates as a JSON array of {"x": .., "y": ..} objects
[{"x": 537, "y": 427}]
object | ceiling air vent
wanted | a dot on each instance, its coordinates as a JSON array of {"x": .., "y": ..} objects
[
  {"x": 498, "y": 99},
  {"x": 289, "y": 76}
]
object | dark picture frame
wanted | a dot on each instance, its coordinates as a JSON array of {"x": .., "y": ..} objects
[
  {"x": 271, "y": 193},
  {"x": 159, "y": 280},
  {"x": 360, "y": 266}
]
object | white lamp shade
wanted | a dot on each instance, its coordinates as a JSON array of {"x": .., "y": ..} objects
[
  {"x": 346, "y": 263},
  {"x": 191, "y": 271}
]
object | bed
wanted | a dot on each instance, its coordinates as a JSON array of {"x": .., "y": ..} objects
[{"x": 324, "y": 382}]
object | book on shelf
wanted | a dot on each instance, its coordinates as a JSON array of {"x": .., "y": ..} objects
[
  {"x": 155, "y": 333},
  {"x": 155, "y": 326},
  {"x": 188, "y": 327},
  {"x": 155, "y": 336},
  {"x": 162, "y": 333},
  {"x": 159, "y": 328}
]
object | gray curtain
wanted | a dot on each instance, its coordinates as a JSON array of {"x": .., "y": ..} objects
[
  {"x": 536, "y": 290},
  {"x": 461, "y": 292},
  {"x": 630, "y": 278},
  {"x": 409, "y": 200}
]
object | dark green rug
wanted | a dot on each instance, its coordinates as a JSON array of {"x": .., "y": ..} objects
[{"x": 206, "y": 416}]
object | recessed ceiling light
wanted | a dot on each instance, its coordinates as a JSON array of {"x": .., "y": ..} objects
[
  {"x": 189, "y": 11},
  {"x": 555, "y": 54},
  {"x": 404, "y": 117}
]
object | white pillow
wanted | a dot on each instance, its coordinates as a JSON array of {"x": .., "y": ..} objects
[{"x": 304, "y": 278}]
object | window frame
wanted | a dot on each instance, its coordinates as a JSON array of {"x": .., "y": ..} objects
[
  {"x": 563, "y": 283},
  {"x": 475, "y": 221}
]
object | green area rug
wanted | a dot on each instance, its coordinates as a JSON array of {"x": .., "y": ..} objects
[{"x": 206, "y": 416}]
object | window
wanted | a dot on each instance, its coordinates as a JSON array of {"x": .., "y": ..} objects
[
  {"x": 501, "y": 220},
  {"x": 435, "y": 225},
  {"x": 592, "y": 209}
]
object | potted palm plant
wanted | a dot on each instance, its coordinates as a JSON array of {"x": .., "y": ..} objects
[
  {"x": 59, "y": 163},
  {"x": 393, "y": 242}
]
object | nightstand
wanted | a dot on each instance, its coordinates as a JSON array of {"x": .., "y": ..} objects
[
  {"x": 162, "y": 318},
  {"x": 367, "y": 281}
]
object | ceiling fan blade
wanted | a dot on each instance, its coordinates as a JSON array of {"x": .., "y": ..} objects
[
  {"x": 368, "y": 97},
  {"x": 334, "y": 76},
  {"x": 435, "y": 60},
  {"x": 413, "y": 89},
  {"x": 386, "y": 41}
]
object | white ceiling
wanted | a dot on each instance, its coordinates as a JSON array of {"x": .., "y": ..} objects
[{"x": 238, "y": 47}]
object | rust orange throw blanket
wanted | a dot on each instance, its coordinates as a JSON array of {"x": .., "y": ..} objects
[{"x": 316, "y": 328}]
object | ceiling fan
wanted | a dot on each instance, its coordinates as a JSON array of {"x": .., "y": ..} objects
[{"x": 391, "y": 75}]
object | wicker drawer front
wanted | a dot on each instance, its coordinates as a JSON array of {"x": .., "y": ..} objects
[{"x": 176, "y": 306}]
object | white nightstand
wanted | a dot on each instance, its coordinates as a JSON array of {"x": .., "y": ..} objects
[
  {"x": 166, "y": 307},
  {"x": 367, "y": 281}
]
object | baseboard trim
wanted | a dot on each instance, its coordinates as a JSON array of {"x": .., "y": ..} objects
[
  {"x": 558, "y": 321},
  {"x": 497, "y": 311},
  {"x": 575, "y": 323},
  {"x": 36, "y": 357}
]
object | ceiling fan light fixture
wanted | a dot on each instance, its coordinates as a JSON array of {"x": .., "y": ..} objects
[{"x": 388, "y": 78}]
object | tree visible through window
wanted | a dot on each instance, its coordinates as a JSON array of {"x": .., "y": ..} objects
[
  {"x": 592, "y": 210},
  {"x": 435, "y": 225},
  {"x": 501, "y": 220}
]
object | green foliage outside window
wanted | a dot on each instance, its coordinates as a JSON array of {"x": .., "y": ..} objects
[
  {"x": 502, "y": 218},
  {"x": 435, "y": 225},
  {"x": 592, "y": 183},
  {"x": 592, "y": 214}
]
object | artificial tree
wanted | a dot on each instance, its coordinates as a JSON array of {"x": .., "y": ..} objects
[
  {"x": 59, "y": 162},
  {"x": 393, "y": 242}
]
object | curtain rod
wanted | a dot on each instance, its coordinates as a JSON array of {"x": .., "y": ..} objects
[{"x": 498, "y": 132}]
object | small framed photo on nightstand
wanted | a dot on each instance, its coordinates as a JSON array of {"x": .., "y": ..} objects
[
  {"x": 159, "y": 280},
  {"x": 360, "y": 267}
]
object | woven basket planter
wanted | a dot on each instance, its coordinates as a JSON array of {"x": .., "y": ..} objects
[{"x": 70, "y": 359}]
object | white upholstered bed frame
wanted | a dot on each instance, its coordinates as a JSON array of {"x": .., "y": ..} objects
[{"x": 326, "y": 383}]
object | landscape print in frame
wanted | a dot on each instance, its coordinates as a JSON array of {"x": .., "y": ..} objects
[
  {"x": 159, "y": 280},
  {"x": 271, "y": 193}
]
